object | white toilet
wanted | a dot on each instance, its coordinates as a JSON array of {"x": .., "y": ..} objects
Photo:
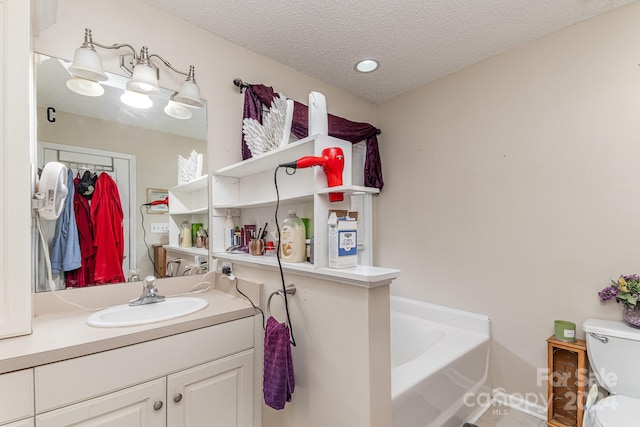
[{"x": 614, "y": 351}]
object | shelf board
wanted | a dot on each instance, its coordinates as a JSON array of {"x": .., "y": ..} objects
[
  {"x": 197, "y": 184},
  {"x": 348, "y": 190},
  {"x": 187, "y": 251},
  {"x": 191, "y": 212},
  {"x": 360, "y": 275},
  {"x": 266, "y": 203},
  {"x": 269, "y": 160}
]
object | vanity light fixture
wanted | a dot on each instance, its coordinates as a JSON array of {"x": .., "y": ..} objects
[
  {"x": 87, "y": 72},
  {"x": 367, "y": 65},
  {"x": 144, "y": 74}
]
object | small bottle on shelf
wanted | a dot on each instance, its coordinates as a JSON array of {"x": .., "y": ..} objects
[
  {"x": 270, "y": 249},
  {"x": 185, "y": 235}
]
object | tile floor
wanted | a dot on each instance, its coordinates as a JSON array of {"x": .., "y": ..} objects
[{"x": 503, "y": 416}]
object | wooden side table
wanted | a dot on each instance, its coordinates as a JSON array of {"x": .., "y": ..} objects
[{"x": 568, "y": 378}]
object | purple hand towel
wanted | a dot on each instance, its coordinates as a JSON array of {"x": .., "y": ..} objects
[{"x": 278, "y": 381}]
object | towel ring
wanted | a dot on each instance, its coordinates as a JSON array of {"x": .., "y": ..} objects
[{"x": 291, "y": 290}]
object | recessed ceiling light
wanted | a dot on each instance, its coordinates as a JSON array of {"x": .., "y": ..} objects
[{"x": 367, "y": 65}]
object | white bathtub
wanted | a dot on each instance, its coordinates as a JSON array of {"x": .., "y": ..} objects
[{"x": 439, "y": 364}]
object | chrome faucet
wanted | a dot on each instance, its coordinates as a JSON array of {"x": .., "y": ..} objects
[{"x": 149, "y": 293}]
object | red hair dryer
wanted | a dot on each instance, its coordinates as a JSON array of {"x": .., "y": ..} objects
[
  {"x": 332, "y": 162},
  {"x": 164, "y": 201}
]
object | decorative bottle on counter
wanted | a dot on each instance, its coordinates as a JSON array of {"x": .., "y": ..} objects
[{"x": 292, "y": 243}]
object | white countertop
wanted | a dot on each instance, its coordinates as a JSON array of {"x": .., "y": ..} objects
[
  {"x": 364, "y": 276},
  {"x": 65, "y": 334}
]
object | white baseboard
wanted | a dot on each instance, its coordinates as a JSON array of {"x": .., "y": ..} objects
[
  {"x": 519, "y": 404},
  {"x": 479, "y": 411}
]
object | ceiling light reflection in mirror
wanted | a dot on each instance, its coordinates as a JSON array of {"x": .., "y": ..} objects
[{"x": 53, "y": 80}]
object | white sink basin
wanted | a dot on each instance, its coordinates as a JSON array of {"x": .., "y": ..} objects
[{"x": 125, "y": 315}]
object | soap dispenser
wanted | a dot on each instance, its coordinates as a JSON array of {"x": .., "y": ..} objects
[{"x": 185, "y": 240}]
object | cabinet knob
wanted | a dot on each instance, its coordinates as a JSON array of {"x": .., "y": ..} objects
[
  {"x": 177, "y": 398},
  {"x": 158, "y": 405}
]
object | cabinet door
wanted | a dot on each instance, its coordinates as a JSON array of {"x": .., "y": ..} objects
[
  {"x": 138, "y": 406},
  {"x": 16, "y": 395},
  {"x": 218, "y": 393}
]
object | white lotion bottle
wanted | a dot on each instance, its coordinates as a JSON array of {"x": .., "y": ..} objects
[
  {"x": 292, "y": 239},
  {"x": 228, "y": 230}
]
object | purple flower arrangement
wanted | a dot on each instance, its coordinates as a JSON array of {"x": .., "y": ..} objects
[{"x": 625, "y": 291}]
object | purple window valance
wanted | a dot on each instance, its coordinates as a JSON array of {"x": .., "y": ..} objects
[{"x": 257, "y": 95}]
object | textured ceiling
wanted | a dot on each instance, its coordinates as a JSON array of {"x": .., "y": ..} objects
[{"x": 416, "y": 41}]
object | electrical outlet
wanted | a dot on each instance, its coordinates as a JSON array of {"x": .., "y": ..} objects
[
  {"x": 226, "y": 268},
  {"x": 159, "y": 227}
]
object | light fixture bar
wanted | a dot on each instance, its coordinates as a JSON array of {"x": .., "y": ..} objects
[
  {"x": 87, "y": 65},
  {"x": 189, "y": 93}
]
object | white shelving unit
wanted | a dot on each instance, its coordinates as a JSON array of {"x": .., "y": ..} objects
[
  {"x": 187, "y": 202},
  {"x": 249, "y": 185}
]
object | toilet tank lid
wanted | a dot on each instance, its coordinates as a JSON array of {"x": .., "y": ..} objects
[{"x": 612, "y": 328}]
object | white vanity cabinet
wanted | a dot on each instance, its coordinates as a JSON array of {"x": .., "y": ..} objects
[
  {"x": 219, "y": 393},
  {"x": 203, "y": 377}
]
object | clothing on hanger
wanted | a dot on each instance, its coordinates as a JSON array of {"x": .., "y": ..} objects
[
  {"x": 108, "y": 231},
  {"x": 84, "y": 276},
  {"x": 64, "y": 249}
]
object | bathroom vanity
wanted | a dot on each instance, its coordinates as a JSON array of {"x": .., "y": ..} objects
[{"x": 195, "y": 370}]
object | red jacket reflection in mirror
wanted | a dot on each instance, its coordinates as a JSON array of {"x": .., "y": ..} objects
[{"x": 108, "y": 231}]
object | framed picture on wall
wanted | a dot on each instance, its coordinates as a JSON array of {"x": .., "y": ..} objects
[{"x": 159, "y": 198}]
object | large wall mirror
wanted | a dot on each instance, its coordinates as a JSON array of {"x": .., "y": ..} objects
[{"x": 137, "y": 148}]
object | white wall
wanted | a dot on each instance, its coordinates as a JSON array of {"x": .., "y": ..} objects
[
  {"x": 520, "y": 179},
  {"x": 342, "y": 374}
]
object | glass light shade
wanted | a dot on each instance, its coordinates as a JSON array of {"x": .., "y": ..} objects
[
  {"x": 144, "y": 79},
  {"x": 189, "y": 95},
  {"x": 85, "y": 87},
  {"x": 136, "y": 99},
  {"x": 87, "y": 65},
  {"x": 177, "y": 111},
  {"x": 367, "y": 65}
]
